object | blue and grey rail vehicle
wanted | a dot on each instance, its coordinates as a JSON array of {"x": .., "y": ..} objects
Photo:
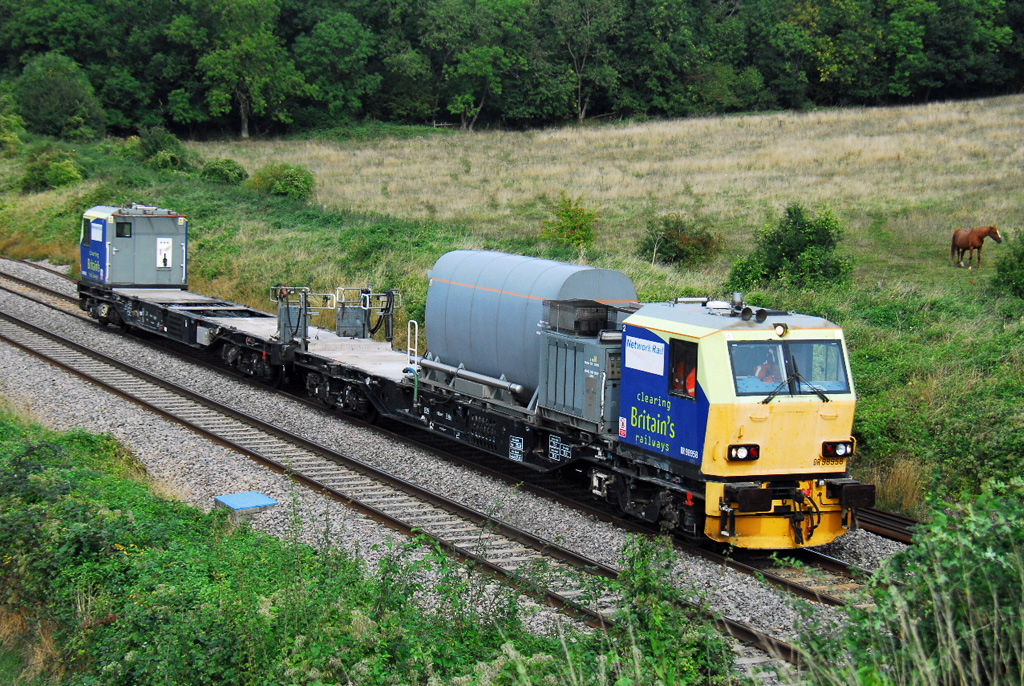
[{"x": 720, "y": 420}]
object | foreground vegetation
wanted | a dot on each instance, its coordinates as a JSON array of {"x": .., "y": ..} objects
[
  {"x": 117, "y": 586},
  {"x": 946, "y": 612},
  {"x": 102, "y": 582}
]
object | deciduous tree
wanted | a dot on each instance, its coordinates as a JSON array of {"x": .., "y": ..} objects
[
  {"x": 55, "y": 98},
  {"x": 586, "y": 31},
  {"x": 335, "y": 56},
  {"x": 243, "y": 65}
]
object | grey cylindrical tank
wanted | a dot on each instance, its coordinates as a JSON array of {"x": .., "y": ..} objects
[{"x": 483, "y": 308}]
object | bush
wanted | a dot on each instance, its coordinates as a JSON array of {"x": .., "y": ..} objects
[
  {"x": 49, "y": 167},
  {"x": 1010, "y": 268},
  {"x": 946, "y": 610},
  {"x": 799, "y": 251},
  {"x": 56, "y": 99},
  {"x": 678, "y": 239},
  {"x": 160, "y": 148},
  {"x": 573, "y": 225},
  {"x": 292, "y": 181},
  {"x": 224, "y": 171},
  {"x": 11, "y": 128}
]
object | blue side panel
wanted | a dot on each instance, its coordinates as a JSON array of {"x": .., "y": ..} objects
[
  {"x": 651, "y": 418},
  {"x": 94, "y": 255}
]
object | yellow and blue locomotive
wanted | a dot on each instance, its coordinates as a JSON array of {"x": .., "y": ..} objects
[
  {"x": 716, "y": 419},
  {"x": 751, "y": 412}
]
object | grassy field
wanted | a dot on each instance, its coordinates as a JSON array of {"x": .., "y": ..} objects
[
  {"x": 936, "y": 351},
  {"x": 900, "y": 178}
]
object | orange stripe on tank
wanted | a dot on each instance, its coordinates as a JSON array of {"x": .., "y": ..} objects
[{"x": 518, "y": 295}]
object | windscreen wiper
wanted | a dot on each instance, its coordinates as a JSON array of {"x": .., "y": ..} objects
[
  {"x": 796, "y": 376},
  {"x": 771, "y": 396},
  {"x": 800, "y": 377}
]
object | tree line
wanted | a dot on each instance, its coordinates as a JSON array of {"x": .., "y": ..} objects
[{"x": 259, "y": 65}]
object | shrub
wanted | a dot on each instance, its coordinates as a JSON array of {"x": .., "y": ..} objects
[
  {"x": 56, "y": 99},
  {"x": 49, "y": 167},
  {"x": 799, "y": 250},
  {"x": 573, "y": 225},
  {"x": 160, "y": 148},
  {"x": 224, "y": 171},
  {"x": 1010, "y": 268},
  {"x": 946, "y": 609},
  {"x": 11, "y": 128},
  {"x": 292, "y": 181},
  {"x": 678, "y": 239}
]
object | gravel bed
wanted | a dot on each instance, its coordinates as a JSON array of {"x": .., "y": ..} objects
[{"x": 198, "y": 469}]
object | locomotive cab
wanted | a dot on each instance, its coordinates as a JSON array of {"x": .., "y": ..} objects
[{"x": 751, "y": 417}]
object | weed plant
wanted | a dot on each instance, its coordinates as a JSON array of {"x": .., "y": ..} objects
[
  {"x": 573, "y": 224},
  {"x": 224, "y": 171},
  {"x": 290, "y": 180},
  {"x": 679, "y": 239}
]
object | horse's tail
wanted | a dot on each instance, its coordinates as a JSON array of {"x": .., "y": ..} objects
[{"x": 952, "y": 248}]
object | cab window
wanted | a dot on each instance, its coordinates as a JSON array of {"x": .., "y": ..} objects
[
  {"x": 682, "y": 377},
  {"x": 794, "y": 367},
  {"x": 124, "y": 230},
  {"x": 86, "y": 233}
]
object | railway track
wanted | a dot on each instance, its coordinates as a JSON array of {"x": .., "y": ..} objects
[
  {"x": 888, "y": 524},
  {"x": 492, "y": 546}
]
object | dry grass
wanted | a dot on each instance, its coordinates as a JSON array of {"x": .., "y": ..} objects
[
  {"x": 901, "y": 178},
  {"x": 900, "y": 487},
  {"x": 35, "y": 642},
  {"x": 27, "y": 209}
]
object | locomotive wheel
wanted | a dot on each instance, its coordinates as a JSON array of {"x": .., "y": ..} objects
[
  {"x": 693, "y": 533},
  {"x": 105, "y": 314},
  {"x": 266, "y": 373},
  {"x": 274, "y": 376}
]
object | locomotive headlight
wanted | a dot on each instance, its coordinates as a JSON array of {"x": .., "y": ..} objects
[
  {"x": 837, "y": 449},
  {"x": 743, "y": 453}
]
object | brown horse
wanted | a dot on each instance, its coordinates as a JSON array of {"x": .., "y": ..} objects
[{"x": 965, "y": 240}]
